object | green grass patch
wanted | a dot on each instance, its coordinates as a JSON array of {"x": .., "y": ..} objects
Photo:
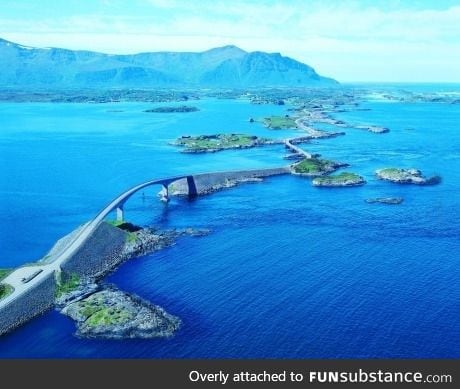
[
  {"x": 4, "y": 273},
  {"x": 344, "y": 176},
  {"x": 312, "y": 166},
  {"x": 131, "y": 237},
  {"x": 88, "y": 310},
  {"x": 67, "y": 283},
  {"x": 109, "y": 316},
  {"x": 391, "y": 171},
  {"x": 5, "y": 290},
  {"x": 279, "y": 122},
  {"x": 96, "y": 312},
  {"x": 124, "y": 225},
  {"x": 115, "y": 223},
  {"x": 90, "y": 305}
]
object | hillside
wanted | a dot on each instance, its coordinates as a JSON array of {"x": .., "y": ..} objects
[{"x": 228, "y": 66}]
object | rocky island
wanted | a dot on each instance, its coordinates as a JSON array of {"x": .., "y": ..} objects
[
  {"x": 219, "y": 142},
  {"x": 315, "y": 167},
  {"x": 406, "y": 176},
  {"x": 113, "y": 314},
  {"x": 374, "y": 129},
  {"x": 344, "y": 179},
  {"x": 385, "y": 200},
  {"x": 172, "y": 109}
]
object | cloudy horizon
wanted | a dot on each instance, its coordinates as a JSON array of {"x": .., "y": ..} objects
[{"x": 370, "y": 41}]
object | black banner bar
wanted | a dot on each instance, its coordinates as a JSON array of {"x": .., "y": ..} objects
[{"x": 230, "y": 373}]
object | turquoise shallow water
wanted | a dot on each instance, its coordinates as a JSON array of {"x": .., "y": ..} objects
[{"x": 290, "y": 271}]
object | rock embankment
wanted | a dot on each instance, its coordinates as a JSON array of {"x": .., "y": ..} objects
[
  {"x": 202, "y": 184},
  {"x": 226, "y": 184}
]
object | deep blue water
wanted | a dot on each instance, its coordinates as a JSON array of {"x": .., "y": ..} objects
[{"x": 289, "y": 271}]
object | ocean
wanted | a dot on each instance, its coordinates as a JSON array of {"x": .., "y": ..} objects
[{"x": 289, "y": 270}]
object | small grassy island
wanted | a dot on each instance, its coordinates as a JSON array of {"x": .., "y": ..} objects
[
  {"x": 340, "y": 180},
  {"x": 315, "y": 167},
  {"x": 218, "y": 142},
  {"x": 172, "y": 109},
  {"x": 5, "y": 290},
  {"x": 279, "y": 122},
  {"x": 113, "y": 314},
  {"x": 406, "y": 176}
]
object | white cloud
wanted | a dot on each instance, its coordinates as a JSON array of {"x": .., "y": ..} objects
[{"x": 347, "y": 42}]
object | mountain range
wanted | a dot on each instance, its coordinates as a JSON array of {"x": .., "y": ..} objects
[{"x": 222, "y": 67}]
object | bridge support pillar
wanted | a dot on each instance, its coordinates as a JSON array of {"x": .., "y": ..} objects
[
  {"x": 120, "y": 213},
  {"x": 192, "y": 191},
  {"x": 165, "y": 194}
]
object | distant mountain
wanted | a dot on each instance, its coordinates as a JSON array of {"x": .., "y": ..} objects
[{"x": 228, "y": 66}]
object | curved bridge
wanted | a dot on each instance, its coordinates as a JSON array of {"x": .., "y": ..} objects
[
  {"x": 25, "y": 278},
  {"x": 118, "y": 203},
  {"x": 297, "y": 150}
]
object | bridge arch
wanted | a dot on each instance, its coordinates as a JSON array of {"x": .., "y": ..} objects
[{"x": 119, "y": 202}]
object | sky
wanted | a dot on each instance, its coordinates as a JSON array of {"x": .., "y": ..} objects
[{"x": 349, "y": 40}]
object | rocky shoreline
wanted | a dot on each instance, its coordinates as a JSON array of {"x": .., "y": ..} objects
[
  {"x": 103, "y": 311},
  {"x": 109, "y": 313},
  {"x": 344, "y": 179}
]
